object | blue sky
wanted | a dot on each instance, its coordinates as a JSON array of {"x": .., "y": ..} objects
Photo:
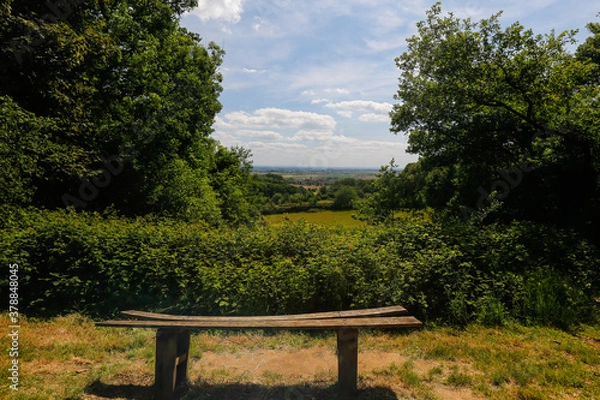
[{"x": 310, "y": 83}]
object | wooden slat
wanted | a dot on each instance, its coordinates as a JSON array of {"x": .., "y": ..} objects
[
  {"x": 369, "y": 312},
  {"x": 376, "y": 322}
]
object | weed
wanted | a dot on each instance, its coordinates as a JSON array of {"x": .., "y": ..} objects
[
  {"x": 441, "y": 351},
  {"x": 434, "y": 373},
  {"x": 500, "y": 377},
  {"x": 529, "y": 393},
  {"x": 459, "y": 379}
]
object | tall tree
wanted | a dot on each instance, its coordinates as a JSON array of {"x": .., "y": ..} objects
[
  {"x": 509, "y": 119},
  {"x": 127, "y": 98}
]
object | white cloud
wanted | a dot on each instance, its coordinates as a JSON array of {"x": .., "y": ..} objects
[
  {"x": 312, "y": 135},
  {"x": 369, "y": 111},
  {"x": 281, "y": 118},
  {"x": 362, "y": 106},
  {"x": 257, "y": 24},
  {"x": 345, "y": 114},
  {"x": 221, "y": 124},
  {"x": 269, "y": 135},
  {"x": 371, "y": 117},
  {"x": 277, "y": 146},
  {"x": 286, "y": 137},
  {"x": 386, "y": 44},
  {"x": 344, "y": 151},
  {"x": 337, "y": 91},
  {"x": 225, "y": 10},
  {"x": 253, "y": 71}
]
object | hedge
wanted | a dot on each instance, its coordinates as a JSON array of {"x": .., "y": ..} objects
[{"x": 450, "y": 273}]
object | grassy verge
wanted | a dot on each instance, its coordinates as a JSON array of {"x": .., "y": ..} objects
[{"x": 69, "y": 358}]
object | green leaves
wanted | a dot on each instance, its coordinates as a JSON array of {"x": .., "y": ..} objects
[
  {"x": 448, "y": 273},
  {"x": 120, "y": 81},
  {"x": 478, "y": 100}
]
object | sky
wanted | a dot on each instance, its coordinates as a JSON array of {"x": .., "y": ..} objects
[{"x": 311, "y": 83}]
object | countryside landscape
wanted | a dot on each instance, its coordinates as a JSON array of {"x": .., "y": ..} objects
[{"x": 116, "y": 195}]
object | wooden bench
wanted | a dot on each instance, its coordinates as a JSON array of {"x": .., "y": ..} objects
[{"x": 173, "y": 338}]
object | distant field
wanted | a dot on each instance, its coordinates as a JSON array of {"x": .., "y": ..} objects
[
  {"x": 312, "y": 173},
  {"x": 343, "y": 218}
]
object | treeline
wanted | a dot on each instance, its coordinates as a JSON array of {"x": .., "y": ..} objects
[{"x": 284, "y": 195}]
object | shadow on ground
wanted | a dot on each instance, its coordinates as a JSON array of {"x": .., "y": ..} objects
[{"x": 237, "y": 392}]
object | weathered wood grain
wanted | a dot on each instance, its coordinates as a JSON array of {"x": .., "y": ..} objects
[
  {"x": 347, "y": 352},
  {"x": 337, "y": 323},
  {"x": 368, "y": 312}
]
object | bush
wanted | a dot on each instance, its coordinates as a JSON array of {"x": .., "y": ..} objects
[
  {"x": 344, "y": 199},
  {"x": 450, "y": 273}
]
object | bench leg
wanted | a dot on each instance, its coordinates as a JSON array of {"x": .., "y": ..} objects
[
  {"x": 183, "y": 352},
  {"x": 172, "y": 349},
  {"x": 347, "y": 349}
]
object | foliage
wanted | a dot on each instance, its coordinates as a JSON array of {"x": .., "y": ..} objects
[
  {"x": 451, "y": 273},
  {"x": 500, "y": 117},
  {"x": 345, "y": 198},
  {"x": 279, "y": 193},
  {"x": 117, "y": 101},
  {"x": 24, "y": 145},
  {"x": 394, "y": 190},
  {"x": 321, "y": 217},
  {"x": 272, "y": 184}
]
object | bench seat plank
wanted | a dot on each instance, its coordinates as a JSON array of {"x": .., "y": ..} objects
[
  {"x": 369, "y": 312},
  {"x": 375, "y": 322}
]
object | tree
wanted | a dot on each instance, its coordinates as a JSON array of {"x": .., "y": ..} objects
[
  {"x": 590, "y": 49},
  {"x": 127, "y": 99},
  {"x": 345, "y": 198},
  {"x": 501, "y": 117},
  {"x": 395, "y": 189}
]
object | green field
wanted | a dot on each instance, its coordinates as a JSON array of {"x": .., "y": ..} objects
[{"x": 332, "y": 218}]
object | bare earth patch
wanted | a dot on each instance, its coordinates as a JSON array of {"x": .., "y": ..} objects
[
  {"x": 304, "y": 363},
  {"x": 313, "y": 365},
  {"x": 251, "y": 373}
]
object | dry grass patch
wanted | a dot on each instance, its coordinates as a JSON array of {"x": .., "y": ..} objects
[{"x": 69, "y": 358}]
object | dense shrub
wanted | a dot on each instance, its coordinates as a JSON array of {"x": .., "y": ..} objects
[{"x": 457, "y": 273}]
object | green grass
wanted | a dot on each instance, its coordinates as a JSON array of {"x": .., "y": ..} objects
[
  {"x": 331, "y": 218},
  {"x": 67, "y": 357}
]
